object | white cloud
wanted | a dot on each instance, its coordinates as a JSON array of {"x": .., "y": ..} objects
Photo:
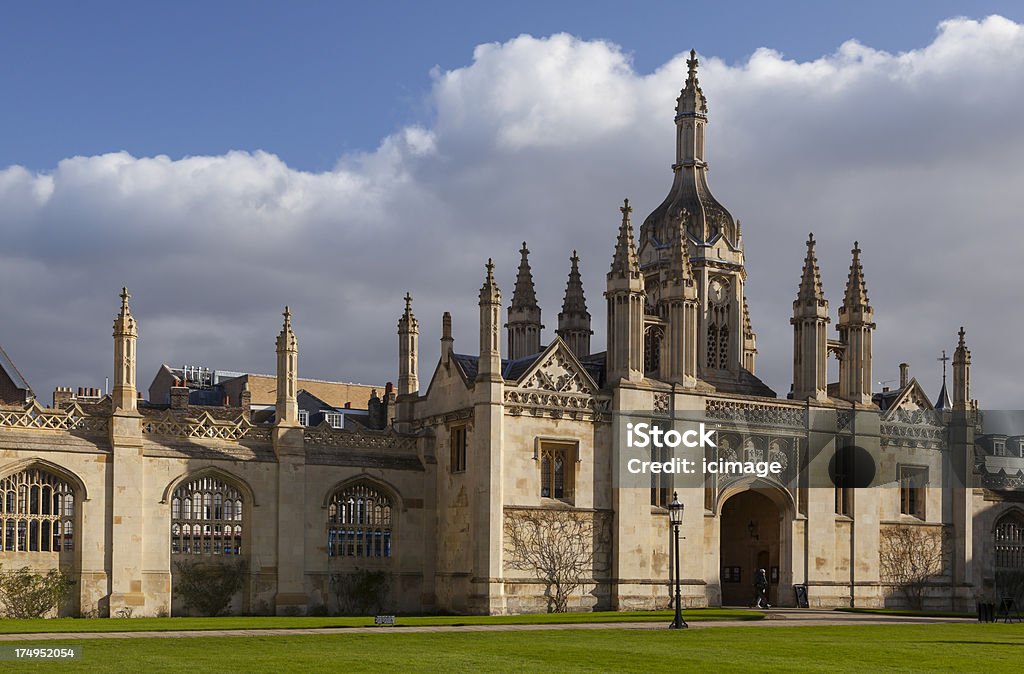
[{"x": 914, "y": 154}]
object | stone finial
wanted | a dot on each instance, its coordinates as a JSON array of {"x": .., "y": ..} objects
[
  {"x": 489, "y": 292},
  {"x": 625, "y": 261},
  {"x": 408, "y": 322},
  {"x": 810, "y": 280},
  {"x": 691, "y": 100},
  {"x": 446, "y": 326},
  {"x": 286, "y": 339},
  {"x": 124, "y": 323}
]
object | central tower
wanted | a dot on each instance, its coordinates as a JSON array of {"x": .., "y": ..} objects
[{"x": 691, "y": 219}]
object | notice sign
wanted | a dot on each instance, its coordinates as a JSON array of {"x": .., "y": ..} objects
[{"x": 384, "y": 620}]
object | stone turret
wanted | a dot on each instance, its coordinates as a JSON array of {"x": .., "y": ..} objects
[
  {"x": 810, "y": 322},
  {"x": 287, "y": 410},
  {"x": 679, "y": 293},
  {"x": 125, "y": 338},
  {"x": 856, "y": 325},
  {"x": 489, "y": 366},
  {"x": 962, "y": 375},
  {"x": 524, "y": 313},
  {"x": 625, "y": 295},
  {"x": 574, "y": 319},
  {"x": 408, "y": 350}
]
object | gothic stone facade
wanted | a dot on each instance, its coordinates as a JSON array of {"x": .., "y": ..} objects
[{"x": 120, "y": 492}]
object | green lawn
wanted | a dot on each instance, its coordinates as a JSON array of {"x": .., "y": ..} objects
[
  {"x": 859, "y": 648},
  {"x": 910, "y": 612},
  {"x": 250, "y": 622}
]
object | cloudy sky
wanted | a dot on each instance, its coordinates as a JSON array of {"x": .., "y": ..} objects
[{"x": 332, "y": 159}]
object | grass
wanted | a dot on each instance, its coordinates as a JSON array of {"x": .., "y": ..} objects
[
  {"x": 910, "y": 612},
  {"x": 272, "y": 622},
  {"x": 856, "y": 648}
]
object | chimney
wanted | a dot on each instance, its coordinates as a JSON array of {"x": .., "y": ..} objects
[
  {"x": 904, "y": 375},
  {"x": 245, "y": 397},
  {"x": 179, "y": 397},
  {"x": 62, "y": 395}
]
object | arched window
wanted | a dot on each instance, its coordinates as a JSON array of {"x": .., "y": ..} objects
[
  {"x": 1009, "y": 541},
  {"x": 37, "y": 512},
  {"x": 200, "y": 522},
  {"x": 359, "y": 523}
]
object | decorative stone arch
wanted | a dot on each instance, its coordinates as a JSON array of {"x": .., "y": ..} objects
[
  {"x": 750, "y": 536},
  {"x": 210, "y": 471},
  {"x": 81, "y": 493},
  {"x": 773, "y": 490},
  {"x": 1011, "y": 512},
  {"x": 387, "y": 488}
]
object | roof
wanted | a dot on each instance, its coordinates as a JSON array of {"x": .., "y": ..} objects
[
  {"x": 513, "y": 370},
  {"x": 8, "y": 367}
]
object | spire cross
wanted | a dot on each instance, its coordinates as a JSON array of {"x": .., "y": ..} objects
[
  {"x": 691, "y": 63},
  {"x": 125, "y": 296},
  {"x": 625, "y": 208},
  {"x": 944, "y": 360},
  {"x": 408, "y": 302}
]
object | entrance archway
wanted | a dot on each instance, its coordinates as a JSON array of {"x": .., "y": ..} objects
[{"x": 749, "y": 539}]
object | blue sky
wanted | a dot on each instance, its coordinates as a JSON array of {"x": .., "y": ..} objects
[
  {"x": 311, "y": 81},
  {"x": 224, "y": 159}
]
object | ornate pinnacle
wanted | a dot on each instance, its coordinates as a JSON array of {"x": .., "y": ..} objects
[
  {"x": 625, "y": 259},
  {"x": 856, "y": 291},
  {"x": 286, "y": 339},
  {"x": 691, "y": 100},
  {"x": 574, "y": 301},
  {"x": 408, "y": 321},
  {"x": 810, "y": 281},
  {"x": 524, "y": 296},
  {"x": 124, "y": 323},
  {"x": 489, "y": 292}
]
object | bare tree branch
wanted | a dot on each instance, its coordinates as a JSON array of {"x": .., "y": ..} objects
[{"x": 910, "y": 557}]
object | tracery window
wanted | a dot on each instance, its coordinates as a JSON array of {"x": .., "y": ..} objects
[
  {"x": 653, "y": 336},
  {"x": 717, "y": 346},
  {"x": 359, "y": 523},
  {"x": 1009, "y": 542},
  {"x": 556, "y": 472},
  {"x": 37, "y": 512},
  {"x": 206, "y": 518}
]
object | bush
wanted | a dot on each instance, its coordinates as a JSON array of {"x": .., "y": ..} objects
[
  {"x": 24, "y": 594},
  {"x": 361, "y": 591},
  {"x": 208, "y": 587}
]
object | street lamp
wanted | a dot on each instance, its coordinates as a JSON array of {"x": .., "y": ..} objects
[{"x": 675, "y": 514}]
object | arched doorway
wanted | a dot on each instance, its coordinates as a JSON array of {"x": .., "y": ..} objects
[{"x": 749, "y": 540}]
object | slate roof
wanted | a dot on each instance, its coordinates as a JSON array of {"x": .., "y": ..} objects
[
  {"x": 513, "y": 370},
  {"x": 7, "y": 365}
]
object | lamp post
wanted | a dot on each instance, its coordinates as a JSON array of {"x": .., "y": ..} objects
[{"x": 675, "y": 514}]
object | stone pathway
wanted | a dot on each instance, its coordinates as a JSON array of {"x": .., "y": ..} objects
[{"x": 775, "y": 618}]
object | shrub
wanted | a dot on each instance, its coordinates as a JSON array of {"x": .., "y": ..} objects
[
  {"x": 24, "y": 594},
  {"x": 208, "y": 587},
  {"x": 361, "y": 591}
]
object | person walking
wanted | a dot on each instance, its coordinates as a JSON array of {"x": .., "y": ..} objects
[{"x": 761, "y": 588}]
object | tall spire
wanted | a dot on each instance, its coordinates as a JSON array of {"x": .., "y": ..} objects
[
  {"x": 856, "y": 323},
  {"x": 287, "y": 408},
  {"x": 810, "y": 292},
  {"x": 856, "y": 290},
  {"x": 625, "y": 260},
  {"x": 625, "y": 296},
  {"x": 125, "y": 339},
  {"x": 408, "y": 350},
  {"x": 810, "y": 341},
  {"x": 574, "y": 319},
  {"x": 524, "y": 324}
]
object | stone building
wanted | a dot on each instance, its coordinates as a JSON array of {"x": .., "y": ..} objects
[{"x": 119, "y": 491}]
